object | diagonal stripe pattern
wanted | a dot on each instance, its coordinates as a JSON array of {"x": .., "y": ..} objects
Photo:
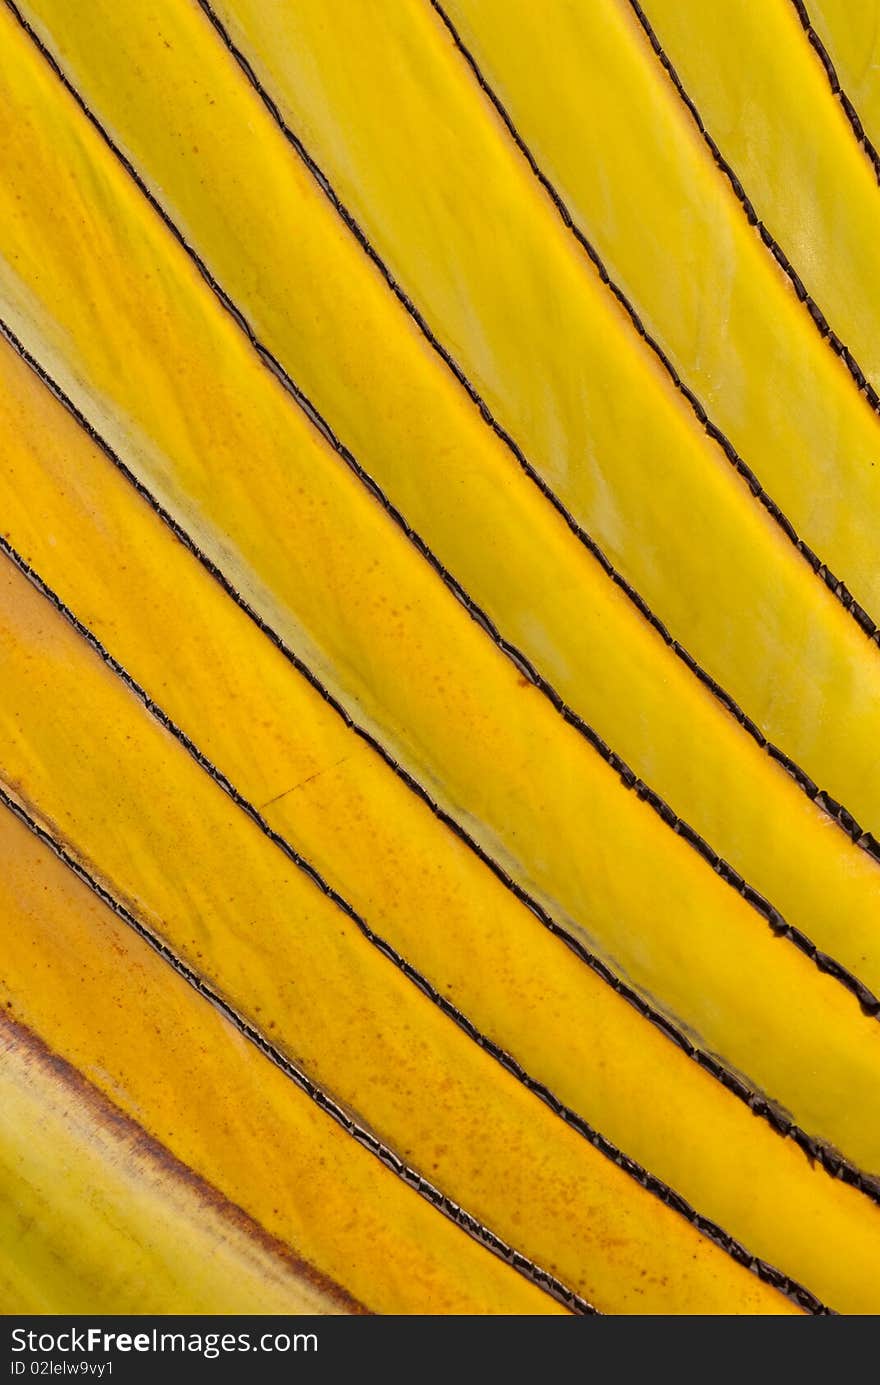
[{"x": 416, "y": 711}]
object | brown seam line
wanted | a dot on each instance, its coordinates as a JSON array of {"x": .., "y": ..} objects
[
  {"x": 869, "y": 1003},
  {"x": 852, "y": 114},
  {"x": 111, "y": 1118},
  {"x": 758, "y": 1103},
  {"x": 839, "y": 347},
  {"x": 823, "y": 800},
  {"x": 646, "y": 1180},
  {"x": 456, "y": 1214}
]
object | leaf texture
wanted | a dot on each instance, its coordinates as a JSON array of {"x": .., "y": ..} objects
[{"x": 438, "y": 797}]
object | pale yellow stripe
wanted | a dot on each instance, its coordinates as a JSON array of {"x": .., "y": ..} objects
[
  {"x": 851, "y": 36},
  {"x": 94, "y": 1218},
  {"x": 105, "y": 1002},
  {"x": 644, "y": 189},
  {"x": 764, "y": 96},
  {"x": 108, "y": 556},
  {"x": 177, "y": 387}
]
